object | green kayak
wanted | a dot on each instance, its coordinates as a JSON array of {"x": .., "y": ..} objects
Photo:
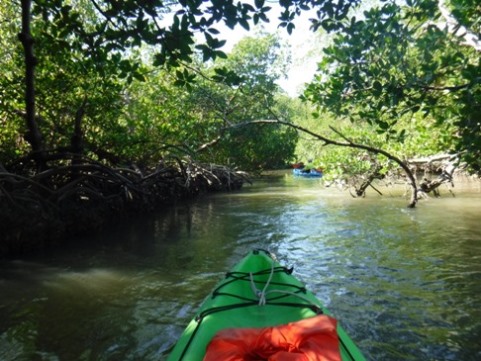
[{"x": 257, "y": 293}]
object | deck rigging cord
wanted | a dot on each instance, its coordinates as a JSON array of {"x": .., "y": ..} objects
[
  {"x": 261, "y": 298},
  {"x": 262, "y": 294}
]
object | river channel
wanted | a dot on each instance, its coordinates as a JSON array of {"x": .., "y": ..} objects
[{"x": 404, "y": 283}]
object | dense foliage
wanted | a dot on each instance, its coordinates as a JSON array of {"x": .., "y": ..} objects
[
  {"x": 403, "y": 72},
  {"x": 131, "y": 82},
  {"x": 111, "y": 106},
  {"x": 115, "y": 105},
  {"x": 200, "y": 120}
]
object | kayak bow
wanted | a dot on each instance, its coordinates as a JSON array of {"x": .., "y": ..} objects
[{"x": 257, "y": 293}]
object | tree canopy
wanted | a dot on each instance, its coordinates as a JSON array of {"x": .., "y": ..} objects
[
  {"x": 405, "y": 67},
  {"x": 107, "y": 74},
  {"x": 118, "y": 104}
]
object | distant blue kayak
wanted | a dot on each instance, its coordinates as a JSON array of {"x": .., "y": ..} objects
[{"x": 310, "y": 173}]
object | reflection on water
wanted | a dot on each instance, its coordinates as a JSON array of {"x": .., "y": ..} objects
[{"x": 404, "y": 283}]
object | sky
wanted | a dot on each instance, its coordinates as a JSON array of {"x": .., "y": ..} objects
[{"x": 301, "y": 42}]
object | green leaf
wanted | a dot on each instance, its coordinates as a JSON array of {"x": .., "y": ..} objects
[
  {"x": 259, "y": 3},
  {"x": 244, "y": 24},
  {"x": 377, "y": 88},
  {"x": 213, "y": 31},
  {"x": 138, "y": 76},
  {"x": 290, "y": 28}
]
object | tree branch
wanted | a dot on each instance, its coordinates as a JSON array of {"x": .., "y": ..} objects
[
  {"x": 33, "y": 136},
  {"x": 452, "y": 88},
  {"x": 347, "y": 143}
]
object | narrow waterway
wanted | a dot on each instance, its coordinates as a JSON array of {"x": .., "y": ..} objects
[{"x": 405, "y": 283}]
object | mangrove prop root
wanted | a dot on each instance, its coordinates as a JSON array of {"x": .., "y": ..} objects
[{"x": 64, "y": 199}]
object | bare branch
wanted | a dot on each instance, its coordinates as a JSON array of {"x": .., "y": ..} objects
[{"x": 347, "y": 143}]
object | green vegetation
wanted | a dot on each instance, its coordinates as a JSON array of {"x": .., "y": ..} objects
[
  {"x": 119, "y": 106},
  {"x": 403, "y": 79},
  {"x": 98, "y": 96}
]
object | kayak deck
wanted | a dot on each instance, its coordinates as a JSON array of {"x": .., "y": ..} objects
[{"x": 258, "y": 292}]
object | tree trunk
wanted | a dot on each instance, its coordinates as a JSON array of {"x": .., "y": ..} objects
[
  {"x": 33, "y": 135},
  {"x": 76, "y": 141},
  {"x": 371, "y": 176}
]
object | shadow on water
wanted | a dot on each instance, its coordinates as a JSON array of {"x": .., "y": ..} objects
[{"x": 404, "y": 283}]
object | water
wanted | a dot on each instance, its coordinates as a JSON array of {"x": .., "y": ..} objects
[{"x": 404, "y": 283}]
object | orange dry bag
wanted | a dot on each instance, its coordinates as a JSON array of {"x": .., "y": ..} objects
[{"x": 311, "y": 339}]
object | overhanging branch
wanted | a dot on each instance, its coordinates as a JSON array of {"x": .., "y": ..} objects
[{"x": 346, "y": 143}]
